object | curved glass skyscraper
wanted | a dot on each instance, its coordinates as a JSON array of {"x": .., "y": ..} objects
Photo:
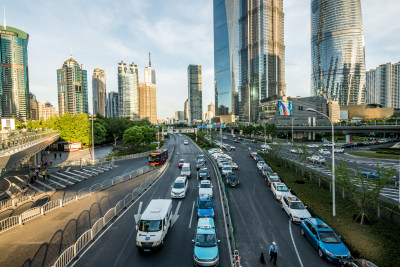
[
  {"x": 14, "y": 82},
  {"x": 226, "y": 64},
  {"x": 338, "y": 62}
]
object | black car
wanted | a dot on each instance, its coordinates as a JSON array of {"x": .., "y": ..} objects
[
  {"x": 200, "y": 164},
  {"x": 347, "y": 145},
  {"x": 232, "y": 180},
  {"x": 204, "y": 173}
]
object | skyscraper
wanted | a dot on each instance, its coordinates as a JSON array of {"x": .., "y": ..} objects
[
  {"x": 14, "y": 82},
  {"x": 148, "y": 95},
  {"x": 99, "y": 91},
  {"x": 383, "y": 85},
  {"x": 72, "y": 88},
  {"x": 186, "y": 110},
  {"x": 128, "y": 91},
  {"x": 226, "y": 62},
  {"x": 112, "y": 105},
  {"x": 261, "y": 54},
  {"x": 337, "y": 44},
  {"x": 195, "y": 97}
]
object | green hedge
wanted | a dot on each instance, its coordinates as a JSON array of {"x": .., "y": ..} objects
[{"x": 378, "y": 243}]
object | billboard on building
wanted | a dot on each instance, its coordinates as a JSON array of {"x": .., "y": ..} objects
[{"x": 285, "y": 108}]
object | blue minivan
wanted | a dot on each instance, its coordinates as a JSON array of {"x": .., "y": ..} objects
[
  {"x": 323, "y": 238},
  {"x": 205, "y": 244}
]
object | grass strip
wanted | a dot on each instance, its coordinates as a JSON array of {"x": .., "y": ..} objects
[{"x": 374, "y": 155}]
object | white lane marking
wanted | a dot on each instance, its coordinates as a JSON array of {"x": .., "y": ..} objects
[
  {"x": 176, "y": 216},
  {"x": 191, "y": 216},
  {"x": 138, "y": 214},
  {"x": 294, "y": 244},
  {"x": 116, "y": 261}
]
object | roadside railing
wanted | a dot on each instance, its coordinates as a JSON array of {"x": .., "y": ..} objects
[{"x": 71, "y": 253}]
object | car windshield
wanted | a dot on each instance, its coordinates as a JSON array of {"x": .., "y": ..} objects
[
  {"x": 185, "y": 169},
  {"x": 150, "y": 226},
  {"x": 205, "y": 185},
  {"x": 179, "y": 185},
  {"x": 206, "y": 240},
  {"x": 329, "y": 237},
  {"x": 274, "y": 177},
  {"x": 205, "y": 205},
  {"x": 297, "y": 206},
  {"x": 203, "y": 172},
  {"x": 227, "y": 168},
  {"x": 282, "y": 188},
  {"x": 233, "y": 179}
]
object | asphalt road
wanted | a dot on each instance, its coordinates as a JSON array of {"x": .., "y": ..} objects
[{"x": 117, "y": 246}]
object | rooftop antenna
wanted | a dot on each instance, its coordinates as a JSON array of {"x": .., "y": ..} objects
[
  {"x": 70, "y": 52},
  {"x": 4, "y": 25},
  {"x": 149, "y": 60}
]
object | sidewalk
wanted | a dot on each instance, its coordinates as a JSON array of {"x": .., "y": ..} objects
[{"x": 40, "y": 241}]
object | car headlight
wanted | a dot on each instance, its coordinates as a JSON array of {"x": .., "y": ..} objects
[
  {"x": 195, "y": 258},
  {"x": 295, "y": 217},
  {"x": 212, "y": 215},
  {"x": 156, "y": 243},
  {"x": 138, "y": 243},
  {"x": 198, "y": 214},
  {"x": 216, "y": 258},
  {"x": 329, "y": 254}
]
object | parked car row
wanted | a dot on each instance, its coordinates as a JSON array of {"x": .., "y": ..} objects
[
  {"x": 227, "y": 167},
  {"x": 225, "y": 146},
  {"x": 320, "y": 235}
]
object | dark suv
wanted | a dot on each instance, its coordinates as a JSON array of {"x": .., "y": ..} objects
[{"x": 232, "y": 180}]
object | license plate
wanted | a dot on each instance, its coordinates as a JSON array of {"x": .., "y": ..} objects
[
  {"x": 206, "y": 264},
  {"x": 146, "y": 250}
]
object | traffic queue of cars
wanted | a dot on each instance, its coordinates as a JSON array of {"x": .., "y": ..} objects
[
  {"x": 328, "y": 244},
  {"x": 227, "y": 167}
]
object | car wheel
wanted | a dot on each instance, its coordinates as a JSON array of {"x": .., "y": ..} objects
[
  {"x": 302, "y": 232},
  {"x": 320, "y": 254}
]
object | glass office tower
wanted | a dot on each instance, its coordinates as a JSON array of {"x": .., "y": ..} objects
[
  {"x": 261, "y": 55},
  {"x": 226, "y": 62},
  {"x": 195, "y": 96},
  {"x": 72, "y": 88},
  {"x": 99, "y": 93},
  {"x": 14, "y": 82},
  {"x": 128, "y": 91},
  {"x": 337, "y": 40}
]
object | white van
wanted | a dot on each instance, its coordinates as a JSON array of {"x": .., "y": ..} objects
[
  {"x": 186, "y": 170},
  {"x": 154, "y": 224}
]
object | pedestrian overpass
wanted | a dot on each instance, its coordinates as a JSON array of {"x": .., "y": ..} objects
[{"x": 16, "y": 149}]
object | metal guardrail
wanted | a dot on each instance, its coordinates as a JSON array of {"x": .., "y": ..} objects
[
  {"x": 30, "y": 214},
  {"x": 72, "y": 252}
]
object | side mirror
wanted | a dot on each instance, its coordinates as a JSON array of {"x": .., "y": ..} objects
[
  {"x": 193, "y": 240},
  {"x": 219, "y": 240},
  {"x": 305, "y": 207},
  {"x": 165, "y": 228},
  {"x": 137, "y": 228}
]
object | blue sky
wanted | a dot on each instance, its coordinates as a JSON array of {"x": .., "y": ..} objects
[{"x": 177, "y": 33}]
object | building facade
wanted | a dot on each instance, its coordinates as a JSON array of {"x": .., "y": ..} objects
[
  {"x": 186, "y": 110},
  {"x": 226, "y": 59},
  {"x": 128, "y": 91},
  {"x": 195, "y": 97},
  {"x": 112, "y": 105},
  {"x": 261, "y": 55},
  {"x": 72, "y": 88},
  {"x": 337, "y": 44},
  {"x": 383, "y": 85},
  {"x": 179, "y": 116},
  {"x": 46, "y": 110},
  {"x": 99, "y": 91},
  {"x": 33, "y": 107},
  {"x": 14, "y": 87},
  {"x": 148, "y": 102}
]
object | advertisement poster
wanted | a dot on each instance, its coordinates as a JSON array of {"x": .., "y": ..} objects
[{"x": 285, "y": 108}]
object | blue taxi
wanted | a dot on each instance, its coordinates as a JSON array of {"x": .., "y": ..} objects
[
  {"x": 205, "y": 244},
  {"x": 205, "y": 207}
]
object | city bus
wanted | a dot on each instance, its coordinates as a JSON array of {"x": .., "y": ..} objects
[{"x": 158, "y": 157}]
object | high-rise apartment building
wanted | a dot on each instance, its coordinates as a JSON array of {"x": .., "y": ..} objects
[
  {"x": 195, "y": 96},
  {"x": 128, "y": 91},
  {"x": 186, "y": 110},
  {"x": 99, "y": 91},
  {"x": 46, "y": 110},
  {"x": 383, "y": 85},
  {"x": 337, "y": 44},
  {"x": 226, "y": 59},
  {"x": 112, "y": 105},
  {"x": 72, "y": 88},
  {"x": 33, "y": 107},
  {"x": 14, "y": 82},
  {"x": 148, "y": 95},
  {"x": 261, "y": 55},
  {"x": 179, "y": 116}
]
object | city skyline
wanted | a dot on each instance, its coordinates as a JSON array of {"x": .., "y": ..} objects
[{"x": 183, "y": 43}]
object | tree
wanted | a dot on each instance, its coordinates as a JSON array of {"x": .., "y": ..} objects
[
  {"x": 271, "y": 130},
  {"x": 360, "y": 188},
  {"x": 304, "y": 153},
  {"x": 149, "y": 134},
  {"x": 133, "y": 136},
  {"x": 100, "y": 133}
]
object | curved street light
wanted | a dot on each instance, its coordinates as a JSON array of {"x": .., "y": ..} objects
[{"x": 333, "y": 160}]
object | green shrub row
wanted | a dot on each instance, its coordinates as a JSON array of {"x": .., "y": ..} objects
[{"x": 378, "y": 243}]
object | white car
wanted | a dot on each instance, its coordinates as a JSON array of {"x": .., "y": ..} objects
[
  {"x": 265, "y": 147},
  {"x": 261, "y": 165},
  {"x": 338, "y": 150},
  {"x": 295, "y": 209},
  {"x": 316, "y": 159},
  {"x": 324, "y": 151},
  {"x": 224, "y": 137},
  {"x": 206, "y": 188},
  {"x": 280, "y": 190},
  {"x": 312, "y": 146},
  {"x": 185, "y": 142},
  {"x": 226, "y": 170},
  {"x": 179, "y": 188},
  {"x": 296, "y": 151},
  {"x": 234, "y": 166}
]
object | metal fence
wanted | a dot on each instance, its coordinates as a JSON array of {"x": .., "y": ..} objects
[{"x": 72, "y": 252}]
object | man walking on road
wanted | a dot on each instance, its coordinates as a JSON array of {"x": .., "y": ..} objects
[{"x": 273, "y": 252}]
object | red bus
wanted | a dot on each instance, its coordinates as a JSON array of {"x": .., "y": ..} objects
[{"x": 158, "y": 157}]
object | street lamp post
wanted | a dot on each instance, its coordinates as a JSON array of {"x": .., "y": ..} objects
[
  {"x": 265, "y": 136},
  {"x": 333, "y": 160}
]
